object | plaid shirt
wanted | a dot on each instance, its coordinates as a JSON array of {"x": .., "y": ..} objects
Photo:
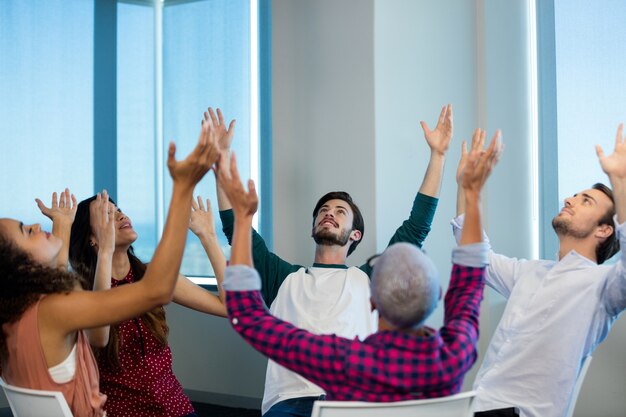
[{"x": 388, "y": 365}]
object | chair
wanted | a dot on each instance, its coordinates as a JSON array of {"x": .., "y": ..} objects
[
  {"x": 459, "y": 405},
  {"x": 26, "y": 402},
  {"x": 579, "y": 384}
]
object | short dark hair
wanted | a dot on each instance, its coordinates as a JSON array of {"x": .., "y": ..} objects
[
  {"x": 610, "y": 246},
  {"x": 357, "y": 222}
]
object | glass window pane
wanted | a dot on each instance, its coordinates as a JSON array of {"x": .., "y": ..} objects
[
  {"x": 136, "y": 157},
  {"x": 590, "y": 39},
  {"x": 46, "y": 110},
  {"x": 206, "y": 61}
]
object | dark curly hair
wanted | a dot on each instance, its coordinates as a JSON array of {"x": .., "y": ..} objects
[
  {"x": 83, "y": 258},
  {"x": 24, "y": 281}
]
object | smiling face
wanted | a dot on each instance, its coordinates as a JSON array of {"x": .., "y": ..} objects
[
  {"x": 125, "y": 235},
  {"x": 580, "y": 216},
  {"x": 40, "y": 245},
  {"x": 333, "y": 224}
]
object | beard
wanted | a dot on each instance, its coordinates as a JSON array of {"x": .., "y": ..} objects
[
  {"x": 563, "y": 227},
  {"x": 326, "y": 237}
]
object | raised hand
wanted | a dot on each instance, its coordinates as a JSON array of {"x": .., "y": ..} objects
[
  {"x": 439, "y": 139},
  {"x": 102, "y": 215},
  {"x": 201, "y": 222},
  {"x": 480, "y": 162},
  {"x": 189, "y": 171},
  {"x": 225, "y": 136},
  {"x": 478, "y": 141},
  {"x": 614, "y": 165},
  {"x": 62, "y": 209},
  {"x": 244, "y": 203}
]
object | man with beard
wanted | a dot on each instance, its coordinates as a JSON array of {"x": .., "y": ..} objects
[
  {"x": 330, "y": 297},
  {"x": 557, "y": 311}
]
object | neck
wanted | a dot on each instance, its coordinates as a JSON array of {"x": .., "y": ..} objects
[
  {"x": 385, "y": 325},
  {"x": 585, "y": 247},
  {"x": 121, "y": 263},
  {"x": 333, "y": 255}
]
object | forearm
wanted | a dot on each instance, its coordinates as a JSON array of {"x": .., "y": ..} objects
[
  {"x": 619, "y": 194},
  {"x": 162, "y": 272},
  {"x": 99, "y": 337},
  {"x": 62, "y": 230},
  {"x": 472, "y": 229},
  {"x": 291, "y": 347},
  {"x": 460, "y": 201},
  {"x": 197, "y": 298},
  {"x": 216, "y": 257},
  {"x": 223, "y": 203},
  {"x": 241, "y": 252},
  {"x": 431, "y": 184}
]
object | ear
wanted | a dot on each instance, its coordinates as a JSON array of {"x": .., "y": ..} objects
[
  {"x": 604, "y": 231},
  {"x": 355, "y": 235}
]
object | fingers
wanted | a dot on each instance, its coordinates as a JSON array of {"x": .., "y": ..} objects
[
  {"x": 618, "y": 136},
  {"x": 194, "y": 205},
  {"x": 201, "y": 204},
  {"x": 234, "y": 172},
  {"x": 55, "y": 202},
  {"x": 171, "y": 154},
  {"x": 42, "y": 206},
  {"x": 442, "y": 115},
  {"x": 220, "y": 117},
  {"x": 214, "y": 119},
  {"x": 425, "y": 128},
  {"x": 599, "y": 151},
  {"x": 231, "y": 126},
  {"x": 464, "y": 149},
  {"x": 252, "y": 190}
]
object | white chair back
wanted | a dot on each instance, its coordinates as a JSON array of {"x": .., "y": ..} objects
[
  {"x": 579, "y": 384},
  {"x": 459, "y": 405},
  {"x": 26, "y": 402}
]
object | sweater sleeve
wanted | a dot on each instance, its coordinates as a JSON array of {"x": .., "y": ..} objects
[
  {"x": 272, "y": 269},
  {"x": 318, "y": 358}
]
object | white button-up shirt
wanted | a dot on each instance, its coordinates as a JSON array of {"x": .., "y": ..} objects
[{"x": 557, "y": 313}]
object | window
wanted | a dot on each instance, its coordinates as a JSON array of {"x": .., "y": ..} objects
[
  {"x": 581, "y": 74},
  {"x": 64, "y": 126},
  {"x": 46, "y": 108}
]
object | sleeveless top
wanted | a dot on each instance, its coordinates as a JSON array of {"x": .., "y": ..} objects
[
  {"x": 145, "y": 385},
  {"x": 26, "y": 366}
]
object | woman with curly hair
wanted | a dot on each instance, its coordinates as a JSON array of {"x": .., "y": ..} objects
[
  {"x": 134, "y": 357},
  {"x": 44, "y": 310}
]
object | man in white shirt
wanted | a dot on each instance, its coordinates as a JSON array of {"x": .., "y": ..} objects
[{"x": 557, "y": 311}]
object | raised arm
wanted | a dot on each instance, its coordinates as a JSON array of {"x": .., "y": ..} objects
[
  {"x": 279, "y": 340},
  {"x": 62, "y": 214},
  {"x": 438, "y": 141},
  {"x": 462, "y": 302},
  {"x": 84, "y": 309},
  {"x": 189, "y": 294},
  {"x": 614, "y": 166},
  {"x": 103, "y": 219},
  {"x": 225, "y": 139}
]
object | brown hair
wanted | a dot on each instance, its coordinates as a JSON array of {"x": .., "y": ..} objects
[
  {"x": 83, "y": 258},
  {"x": 610, "y": 246},
  {"x": 357, "y": 222},
  {"x": 23, "y": 281}
]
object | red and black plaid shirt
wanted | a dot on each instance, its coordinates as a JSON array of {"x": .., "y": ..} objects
[{"x": 388, "y": 365}]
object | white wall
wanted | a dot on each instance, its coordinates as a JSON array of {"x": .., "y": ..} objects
[{"x": 351, "y": 80}]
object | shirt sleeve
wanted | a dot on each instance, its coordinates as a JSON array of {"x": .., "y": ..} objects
[
  {"x": 272, "y": 269},
  {"x": 318, "y": 358},
  {"x": 461, "y": 313},
  {"x": 614, "y": 297},
  {"x": 414, "y": 229},
  {"x": 502, "y": 272}
]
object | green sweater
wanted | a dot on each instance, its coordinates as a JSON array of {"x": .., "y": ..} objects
[{"x": 274, "y": 270}]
